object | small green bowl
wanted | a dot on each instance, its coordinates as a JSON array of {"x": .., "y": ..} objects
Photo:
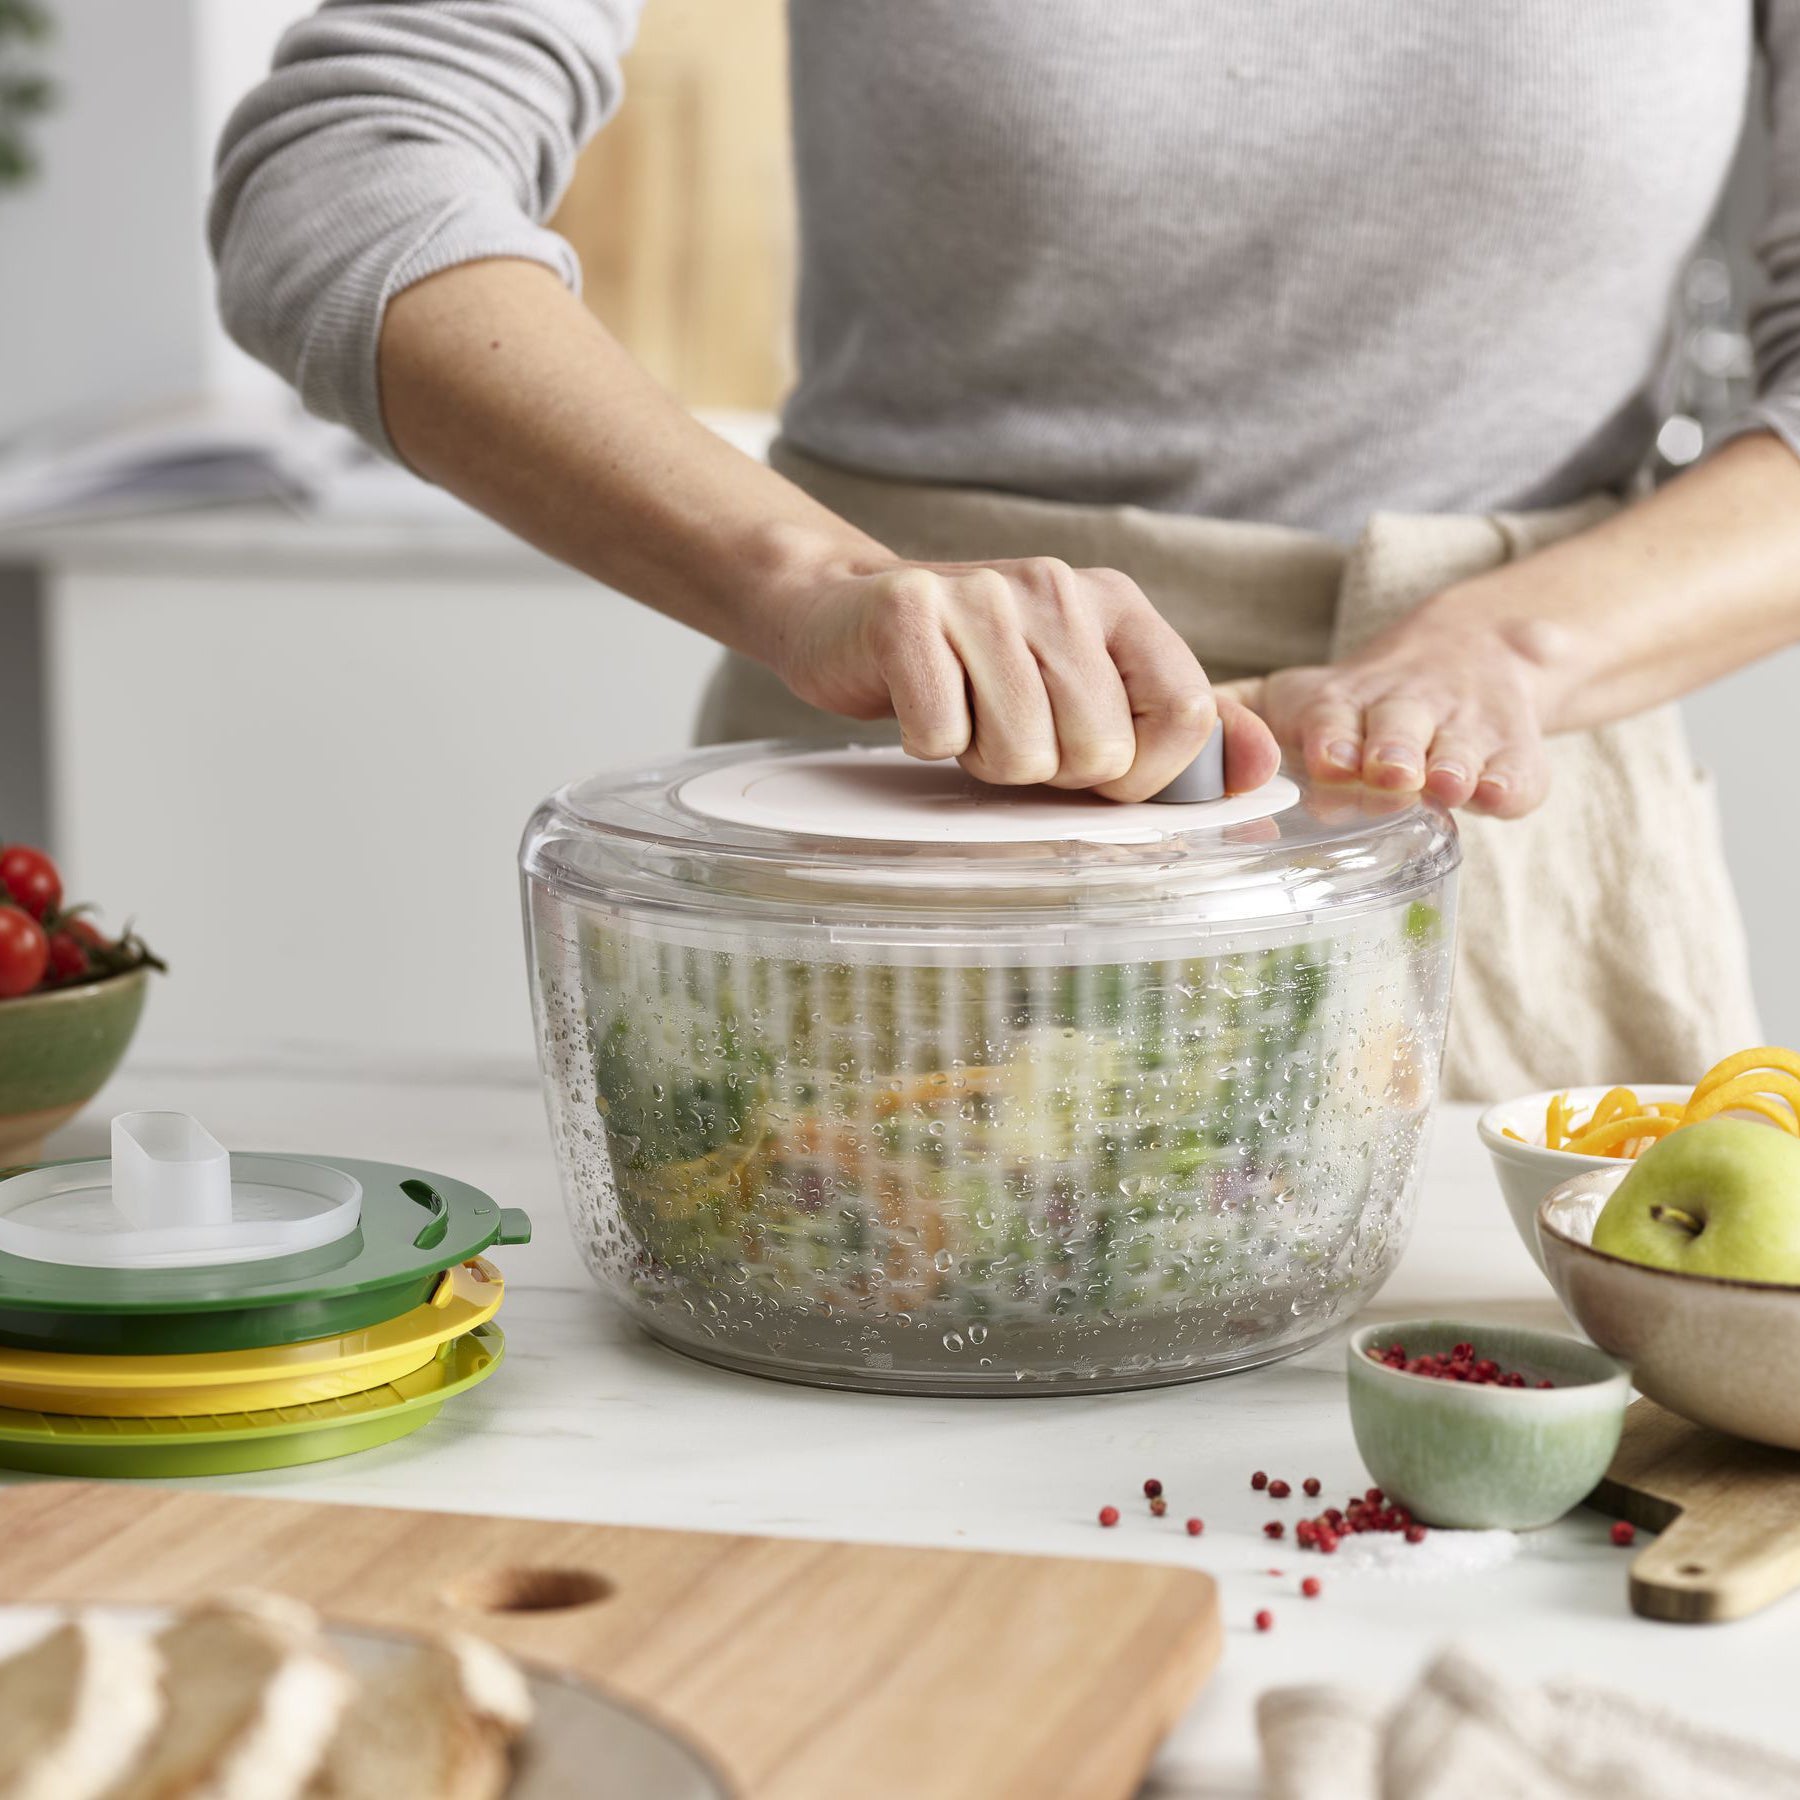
[
  {"x": 1483, "y": 1457},
  {"x": 57, "y": 1049}
]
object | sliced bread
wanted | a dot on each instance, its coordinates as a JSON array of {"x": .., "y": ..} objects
[
  {"x": 254, "y": 1696},
  {"x": 438, "y": 1724},
  {"x": 76, "y": 1710}
]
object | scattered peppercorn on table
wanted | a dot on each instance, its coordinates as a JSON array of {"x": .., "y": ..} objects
[{"x": 589, "y": 1420}]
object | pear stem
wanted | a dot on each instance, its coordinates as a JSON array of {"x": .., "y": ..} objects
[{"x": 1685, "y": 1220}]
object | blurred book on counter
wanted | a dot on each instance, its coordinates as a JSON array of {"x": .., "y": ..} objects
[{"x": 220, "y": 455}]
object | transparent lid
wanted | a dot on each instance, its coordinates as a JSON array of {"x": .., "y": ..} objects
[{"x": 844, "y": 837}]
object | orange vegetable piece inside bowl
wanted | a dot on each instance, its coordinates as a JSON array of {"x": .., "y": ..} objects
[{"x": 1764, "y": 1081}]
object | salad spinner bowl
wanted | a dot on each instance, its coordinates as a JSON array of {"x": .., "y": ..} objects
[{"x": 862, "y": 1073}]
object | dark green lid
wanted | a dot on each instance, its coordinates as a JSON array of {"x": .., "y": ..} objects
[{"x": 413, "y": 1225}]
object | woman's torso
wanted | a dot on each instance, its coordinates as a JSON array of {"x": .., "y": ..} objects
[{"x": 1260, "y": 259}]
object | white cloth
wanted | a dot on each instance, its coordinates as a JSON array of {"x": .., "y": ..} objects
[{"x": 1463, "y": 1732}]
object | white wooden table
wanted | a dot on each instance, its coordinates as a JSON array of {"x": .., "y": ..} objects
[{"x": 589, "y": 1420}]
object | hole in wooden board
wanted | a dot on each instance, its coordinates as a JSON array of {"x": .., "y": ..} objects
[
  {"x": 532, "y": 1590},
  {"x": 1691, "y": 1569}
]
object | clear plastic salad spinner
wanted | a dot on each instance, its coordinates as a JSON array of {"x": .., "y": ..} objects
[{"x": 861, "y": 1072}]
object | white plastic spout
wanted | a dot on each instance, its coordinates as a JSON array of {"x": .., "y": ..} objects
[{"x": 169, "y": 1170}]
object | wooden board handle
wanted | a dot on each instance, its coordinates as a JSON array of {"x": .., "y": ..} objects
[{"x": 1703, "y": 1571}]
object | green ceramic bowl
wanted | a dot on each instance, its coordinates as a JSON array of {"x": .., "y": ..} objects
[
  {"x": 1480, "y": 1457},
  {"x": 56, "y": 1051}
]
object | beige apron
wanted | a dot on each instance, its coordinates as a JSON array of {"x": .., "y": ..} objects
[{"x": 1599, "y": 939}]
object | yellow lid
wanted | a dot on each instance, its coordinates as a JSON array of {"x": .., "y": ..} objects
[{"x": 218, "y": 1381}]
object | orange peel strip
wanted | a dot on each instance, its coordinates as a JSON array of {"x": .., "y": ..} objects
[
  {"x": 1772, "y": 1083},
  {"x": 1610, "y": 1138},
  {"x": 1615, "y": 1103},
  {"x": 1778, "y": 1112},
  {"x": 1556, "y": 1122},
  {"x": 1764, "y": 1056}
]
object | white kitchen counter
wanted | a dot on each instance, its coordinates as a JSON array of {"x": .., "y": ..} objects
[{"x": 589, "y": 1420}]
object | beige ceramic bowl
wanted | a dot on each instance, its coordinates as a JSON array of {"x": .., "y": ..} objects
[
  {"x": 1722, "y": 1353},
  {"x": 1527, "y": 1171}
]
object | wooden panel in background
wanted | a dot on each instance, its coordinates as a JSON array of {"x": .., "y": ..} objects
[{"x": 682, "y": 211}]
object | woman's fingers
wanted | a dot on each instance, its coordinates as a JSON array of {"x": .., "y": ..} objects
[
  {"x": 1331, "y": 738},
  {"x": 1454, "y": 763},
  {"x": 926, "y": 684},
  {"x": 1096, "y": 741},
  {"x": 1251, "y": 754},
  {"x": 1172, "y": 707},
  {"x": 1012, "y": 740},
  {"x": 1513, "y": 782},
  {"x": 1396, "y": 734}
]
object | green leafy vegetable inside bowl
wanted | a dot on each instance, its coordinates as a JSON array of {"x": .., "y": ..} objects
[{"x": 70, "y": 999}]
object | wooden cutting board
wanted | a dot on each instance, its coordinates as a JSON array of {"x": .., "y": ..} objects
[
  {"x": 1727, "y": 1514},
  {"x": 805, "y": 1669}
]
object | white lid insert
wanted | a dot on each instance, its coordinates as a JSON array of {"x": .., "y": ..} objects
[{"x": 172, "y": 1197}]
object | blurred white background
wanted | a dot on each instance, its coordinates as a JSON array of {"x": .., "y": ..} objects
[{"x": 299, "y": 747}]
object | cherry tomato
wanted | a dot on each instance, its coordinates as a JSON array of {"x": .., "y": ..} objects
[
  {"x": 68, "y": 956},
  {"x": 31, "y": 878},
  {"x": 24, "y": 952},
  {"x": 87, "y": 932}
]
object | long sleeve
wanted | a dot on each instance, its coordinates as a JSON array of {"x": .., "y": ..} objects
[
  {"x": 1775, "y": 320},
  {"x": 392, "y": 139}
]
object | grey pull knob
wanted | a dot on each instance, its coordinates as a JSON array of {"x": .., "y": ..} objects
[{"x": 1203, "y": 778}]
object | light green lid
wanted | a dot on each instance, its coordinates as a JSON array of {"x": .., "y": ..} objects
[{"x": 234, "y": 1443}]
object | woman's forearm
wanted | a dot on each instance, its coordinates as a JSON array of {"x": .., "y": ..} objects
[
  {"x": 1695, "y": 581},
  {"x": 499, "y": 385}
]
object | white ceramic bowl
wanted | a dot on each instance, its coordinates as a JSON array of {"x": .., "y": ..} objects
[
  {"x": 1719, "y": 1352},
  {"x": 1527, "y": 1171}
]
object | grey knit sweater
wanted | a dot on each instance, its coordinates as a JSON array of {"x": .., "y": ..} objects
[{"x": 1290, "y": 260}]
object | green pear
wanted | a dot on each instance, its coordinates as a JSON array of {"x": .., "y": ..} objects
[{"x": 1719, "y": 1198}]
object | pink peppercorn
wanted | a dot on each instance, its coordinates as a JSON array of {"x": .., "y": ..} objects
[
  {"x": 1259, "y": 1481},
  {"x": 1152, "y": 1488},
  {"x": 1274, "y": 1529},
  {"x": 1279, "y": 1490},
  {"x": 1415, "y": 1534},
  {"x": 1623, "y": 1533},
  {"x": 1158, "y": 1506},
  {"x": 1109, "y": 1515},
  {"x": 1195, "y": 1527},
  {"x": 1328, "y": 1542},
  {"x": 1310, "y": 1486},
  {"x": 1312, "y": 1587},
  {"x": 1265, "y": 1620}
]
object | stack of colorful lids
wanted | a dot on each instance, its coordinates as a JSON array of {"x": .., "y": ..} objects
[{"x": 181, "y": 1311}]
